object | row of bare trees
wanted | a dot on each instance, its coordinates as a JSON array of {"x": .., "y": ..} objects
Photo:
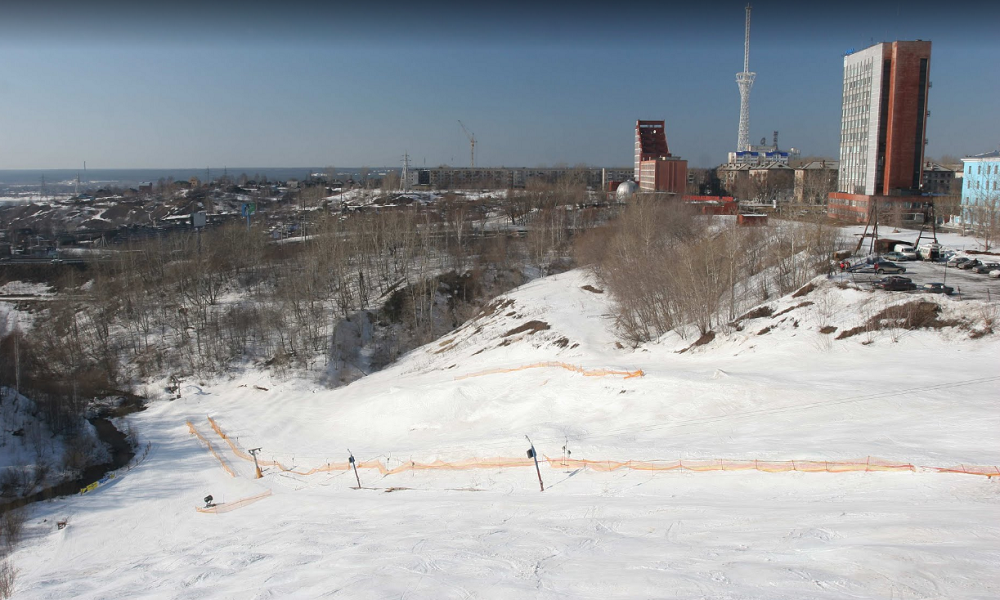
[
  {"x": 669, "y": 269},
  {"x": 202, "y": 303}
]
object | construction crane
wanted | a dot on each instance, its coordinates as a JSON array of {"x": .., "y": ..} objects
[{"x": 472, "y": 143}]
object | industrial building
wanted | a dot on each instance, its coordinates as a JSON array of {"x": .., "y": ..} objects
[
  {"x": 656, "y": 170},
  {"x": 762, "y": 154},
  {"x": 883, "y": 132}
]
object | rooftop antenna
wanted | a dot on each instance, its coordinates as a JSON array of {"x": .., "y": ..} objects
[
  {"x": 472, "y": 144},
  {"x": 745, "y": 81}
]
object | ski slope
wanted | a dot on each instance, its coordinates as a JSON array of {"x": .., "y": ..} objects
[{"x": 775, "y": 389}]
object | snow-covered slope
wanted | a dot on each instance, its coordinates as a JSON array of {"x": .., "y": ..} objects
[{"x": 543, "y": 361}]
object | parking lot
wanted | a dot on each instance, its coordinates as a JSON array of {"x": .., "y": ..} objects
[{"x": 968, "y": 285}]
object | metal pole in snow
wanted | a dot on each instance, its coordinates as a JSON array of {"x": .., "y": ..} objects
[
  {"x": 354, "y": 464},
  {"x": 534, "y": 455}
]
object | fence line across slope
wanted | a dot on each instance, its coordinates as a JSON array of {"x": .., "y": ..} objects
[{"x": 867, "y": 464}]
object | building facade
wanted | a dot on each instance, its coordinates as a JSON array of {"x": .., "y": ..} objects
[
  {"x": 938, "y": 180},
  {"x": 891, "y": 210},
  {"x": 656, "y": 170},
  {"x": 664, "y": 174},
  {"x": 814, "y": 181},
  {"x": 981, "y": 188},
  {"x": 650, "y": 142},
  {"x": 884, "y": 118}
]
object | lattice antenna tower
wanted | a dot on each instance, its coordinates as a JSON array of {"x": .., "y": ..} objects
[{"x": 745, "y": 81}]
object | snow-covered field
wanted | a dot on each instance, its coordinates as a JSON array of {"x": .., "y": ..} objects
[{"x": 775, "y": 389}]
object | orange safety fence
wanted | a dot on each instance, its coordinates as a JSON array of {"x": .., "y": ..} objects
[
  {"x": 212, "y": 450},
  {"x": 867, "y": 464},
  {"x": 228, "y": 506},
  {"x": 970, "y": 470},
  {"x": 560, "y": 365},
  {"x": 808, "y": 466}
]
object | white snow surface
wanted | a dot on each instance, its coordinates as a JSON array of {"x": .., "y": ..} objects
[
  {"x": 925, "y": 397},
  {"x": 25, "y": 288}
]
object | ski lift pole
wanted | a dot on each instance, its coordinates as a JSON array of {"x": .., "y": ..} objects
[
  {"x": 256, "y": 467},
  {"x": 355, "y": 466},
  {"x": 534, "y": 455}
]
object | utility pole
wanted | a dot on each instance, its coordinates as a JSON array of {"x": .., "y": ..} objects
[
  {"x": 256, "y": 467},
  {"x": 534, "y": 455},
  {"x": 17, "y": 353}
]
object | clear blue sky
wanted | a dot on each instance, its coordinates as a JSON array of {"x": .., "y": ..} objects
[{"x": 297, "y": 83}]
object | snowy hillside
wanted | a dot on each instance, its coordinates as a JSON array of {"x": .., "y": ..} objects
[{"x": 831, "y": 375}]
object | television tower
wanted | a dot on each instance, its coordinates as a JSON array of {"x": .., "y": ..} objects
[{"x": 745, "y": 81}]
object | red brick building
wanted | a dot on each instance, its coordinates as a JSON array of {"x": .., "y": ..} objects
[
  {"x": 656, "y": 170},
  {"x": 894, "y": 210}
]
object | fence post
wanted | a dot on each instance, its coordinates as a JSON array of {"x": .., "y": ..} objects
[
  {"x": 256, "y": 467},
  {"x": 353, "y": 464},
  {"x": 534, "y": 455}
]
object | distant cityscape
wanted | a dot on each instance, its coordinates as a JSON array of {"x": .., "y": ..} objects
[{"x": 881, "y": 165}]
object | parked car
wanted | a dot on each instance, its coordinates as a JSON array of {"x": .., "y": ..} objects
[
  {"x": 954, "y": 261},
  {"x": 937, "y": 288},
  {"x": 880, "y": 267},
  {"x": 895, "y": 256},
  {"x": 895, "y": 283},
  {"x": 906, "y": 250},
  {"x": 883, "y": 266},
  {"x": 995, "y": 274},
  {"x": 986, "y": 267},
  {"x": 969, "y": 264}
]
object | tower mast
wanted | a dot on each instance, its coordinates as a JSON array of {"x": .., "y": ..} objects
[{"x": 745, "y": 81}]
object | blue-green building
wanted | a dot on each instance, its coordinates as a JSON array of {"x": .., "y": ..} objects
[{"x": 981, "y": 188}]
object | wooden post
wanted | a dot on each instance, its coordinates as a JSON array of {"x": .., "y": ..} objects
[
  {"x": 353, "y": 464},
  {"x": 534, "y": 455},
  {"x": 256, "y": 467}
]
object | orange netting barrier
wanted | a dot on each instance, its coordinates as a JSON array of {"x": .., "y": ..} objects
[
  {"x": 970, "y": 470},
  {"x": 867, "y": 464},
  {"x": 228, "y": 506},
  {"x": 560, "y": 365},
  {"x": 807, "y": 466},
  {"x": 212, "y": 450}
]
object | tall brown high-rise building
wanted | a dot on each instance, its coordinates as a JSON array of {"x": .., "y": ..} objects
[{"x": 884, "y": 119}]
